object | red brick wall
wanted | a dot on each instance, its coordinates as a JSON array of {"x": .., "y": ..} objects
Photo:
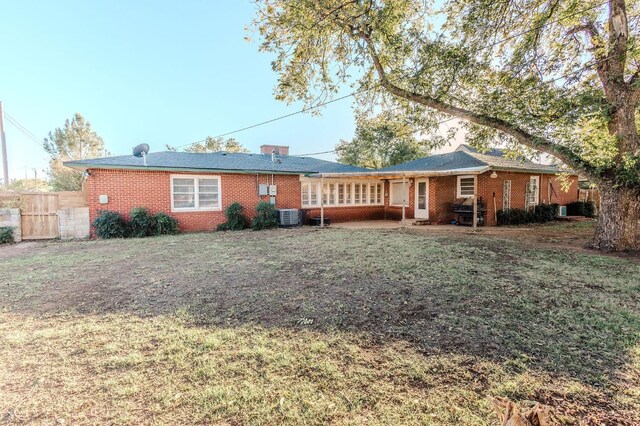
[
  {"x": 488, "y": 186},
  {"x": 351, "y": 213},
  {"x": 127, "y": 189},
  {"x": 442, "y": 194}
]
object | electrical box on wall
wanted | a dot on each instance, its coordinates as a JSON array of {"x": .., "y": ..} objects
[
  {"x": 103, "y": 199},
  {"x": 273, "y": 190},
  {"x": 263, "y": 189},
  {"x": 272, "y": 200}
]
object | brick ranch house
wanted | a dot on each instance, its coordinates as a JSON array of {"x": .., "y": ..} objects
[{"x": 196, "y": 188}]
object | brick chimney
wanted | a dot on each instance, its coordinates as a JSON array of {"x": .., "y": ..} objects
[{"x": 276, "y": 149}]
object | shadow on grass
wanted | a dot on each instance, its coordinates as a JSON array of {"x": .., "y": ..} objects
[{"x": 558, "y": 312}]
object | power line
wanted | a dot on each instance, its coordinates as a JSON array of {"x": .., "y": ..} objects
[
  {"x": 21, "y": 126},
  {"x": 370, "y": 88},
  {"x": 314, "y": 153},
  {"x": 281, "y": 117},
  {"x": 23, "y": 129}
]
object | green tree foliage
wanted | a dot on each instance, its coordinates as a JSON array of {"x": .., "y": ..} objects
[
  {"x": 380, "y": 143},
  {"x": 214, "y": 145},
  {"x": 34, "y": 184},
  {"x": 74, "y": 141},
  {"x": 558, "y": 77}
]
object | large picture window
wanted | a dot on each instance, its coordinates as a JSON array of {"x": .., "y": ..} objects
[
  {"x": 193, "y": 193},
  {"x": 341, "y": 193}
]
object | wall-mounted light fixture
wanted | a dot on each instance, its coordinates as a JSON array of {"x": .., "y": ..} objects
[{"x": 494, "y": 175}]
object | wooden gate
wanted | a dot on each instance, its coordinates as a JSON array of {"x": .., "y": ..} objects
[{"x": 39, "y": 216}]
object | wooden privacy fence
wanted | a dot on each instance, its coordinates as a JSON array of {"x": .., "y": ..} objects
[{"x": 39, "y": 210}]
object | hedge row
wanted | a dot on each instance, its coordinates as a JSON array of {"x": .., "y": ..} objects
[
  {"x": 539, "y": 214},
  {"x": 581, "y": 208},
  {"x": 111, "y": 224},
  {"x": 266, "y": 217}
]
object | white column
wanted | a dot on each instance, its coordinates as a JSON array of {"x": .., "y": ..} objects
[
  {"x": 321, "y": 201},
  {"x": 404, "y": 199}
]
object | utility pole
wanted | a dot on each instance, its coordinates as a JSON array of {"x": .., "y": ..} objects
[{"x": 5, "y": 162}]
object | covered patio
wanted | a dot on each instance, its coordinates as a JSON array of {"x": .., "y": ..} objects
[{"x": 410, "y": 197}]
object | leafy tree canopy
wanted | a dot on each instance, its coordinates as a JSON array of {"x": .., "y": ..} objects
[
  {"x": 74, "y": 141},
  {"x": 380, "y": 142},
  {"x": 211, "y": 144},
  {"x": 25, "y": 184},
  {"x": 561, "y": 77}
]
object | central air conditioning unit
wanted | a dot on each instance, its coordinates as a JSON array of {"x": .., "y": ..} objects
[
  {"x": 288, "y": 217},
  {"x": 562, "y": 211}
]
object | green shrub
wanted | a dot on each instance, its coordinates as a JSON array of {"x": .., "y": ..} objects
[
  {"x": 165, "y": 224},
  {"x": 236, "y": 220},
  {"x": 141, "y": 224},
  {"x": 110, "y": 224},
  {"x": 539, "y": 214},
  {"x": 266, "y": 216},
  {"x": 581, "y": 208},
  {"x": 6, "y": 235}
]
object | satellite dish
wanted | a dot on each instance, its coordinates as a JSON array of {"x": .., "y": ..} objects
[{"x": 141, "y": 151}]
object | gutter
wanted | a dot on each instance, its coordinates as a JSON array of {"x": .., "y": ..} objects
[
  {"x": 83, "y": 167},
  {"x": 470, "y": 170}
]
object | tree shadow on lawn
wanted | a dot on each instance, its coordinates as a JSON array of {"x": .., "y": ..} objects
[{"x": 559, "y": 312}]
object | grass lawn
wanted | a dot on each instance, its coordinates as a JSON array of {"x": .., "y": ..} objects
[{"x": 308, "y": 326}]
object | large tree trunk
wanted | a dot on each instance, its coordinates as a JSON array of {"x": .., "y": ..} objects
[{"x": 617, "y": 228}]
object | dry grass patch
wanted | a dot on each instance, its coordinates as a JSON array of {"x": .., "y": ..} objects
[{"x": 315, "y": 327}]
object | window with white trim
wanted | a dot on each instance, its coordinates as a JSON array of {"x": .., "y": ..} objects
[
  {"x": 341, "y": 193},
  {"x": 465, "y": 186},
  {"x": 193, "y": 193},
  {"x": 398, "y": 196}
]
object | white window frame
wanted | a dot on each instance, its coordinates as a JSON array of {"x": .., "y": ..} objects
[
  {"x": 334, "y": 202},
  {"x": 459, "y": 189},
  {"x": 407, "y": 195},
  {"x": 196, "y": 194},
  {"x": 535, "y": 198},
  {"x": 506, "y": 195}
]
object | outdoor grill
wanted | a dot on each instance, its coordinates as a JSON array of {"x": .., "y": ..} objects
[{"x": 463, "y": 209}]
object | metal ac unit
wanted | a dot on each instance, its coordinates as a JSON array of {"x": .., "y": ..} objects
[
  {"x": 562, "y": 211},
  {"x": 288, "y": 217}
]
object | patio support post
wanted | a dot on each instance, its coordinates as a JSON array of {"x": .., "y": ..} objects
[
  {"x": 321, "y": 201},
  {"x": 475, "y": 202},
  {"x": 404, "y": 200}
]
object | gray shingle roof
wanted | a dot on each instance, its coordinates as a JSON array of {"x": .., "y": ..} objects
[
  {"x": 496, "y": 152},
  {"x": 217, "y": 161},
  {"x": 466, "y": 160},
  {"x": 449, "y": 161},
  {"x": 505, "y": 163}
]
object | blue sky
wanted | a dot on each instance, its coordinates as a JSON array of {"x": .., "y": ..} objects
[
  {"x": 160, "y": 72},
  {"x": 146, "y": 71}
]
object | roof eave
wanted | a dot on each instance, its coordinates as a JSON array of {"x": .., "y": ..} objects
[
  {"x": 526, "y": 170},
  {"x": 181, "y": 169},
  {"x": 407, "y": 173}
]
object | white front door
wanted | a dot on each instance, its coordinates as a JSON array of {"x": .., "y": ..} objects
[{"x": 422, "y": 199}]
